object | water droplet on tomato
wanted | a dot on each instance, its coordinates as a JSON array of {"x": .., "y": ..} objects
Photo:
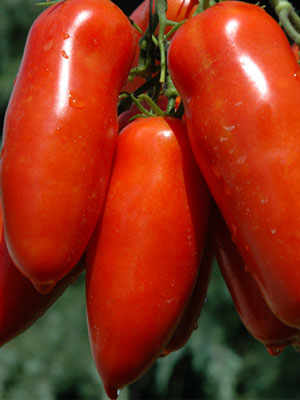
[
  {"x": 229, "y": 128},
  {"x": 274, "y": 350},
  {"x": 75, "y": 102},
  {"x": 66, "y": 36},
  {"x": 223, "y": 139},
  {"x": 64, "y": 54},
  {"x": 264, "y": 201}
]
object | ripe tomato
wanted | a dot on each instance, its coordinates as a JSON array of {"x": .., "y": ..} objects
[
  {"x": 20, "y": 303},
  {"x": 242, "y": 97},
  {"x": 248, "y": 300},
  {"x": 143, "y": 261},
  {"x": 177, "y": 10},
  {"x": 60, "y": 134}
]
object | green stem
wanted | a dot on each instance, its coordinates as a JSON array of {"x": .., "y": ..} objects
[
  {"x": 288, "y": 18},
  {"x": 156, "y": 110},
  {"x": 176, "y": 26},
  {"x": 200, "y": 8},
  {"x": 47, "y": 3},
  {"x": 136, "y": 26},
  {"x": 295, "y": 19},
  {"x": 288, "y": 26},
  {"x": 161, "y": 9},
  {"x": 140, "y": 106}
]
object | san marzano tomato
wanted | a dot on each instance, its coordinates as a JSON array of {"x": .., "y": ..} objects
[
  {"x": 240, "y": 84},
  {"x": 60, "y": 134},
  {"x": 143, "y": 261}
]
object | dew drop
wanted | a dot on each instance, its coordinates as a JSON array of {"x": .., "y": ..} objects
[
  {"x": 66, "y": 36},
  {"x": 229, "y": 128},
  {"x": 264, "y": 201},
  {"x": 75, "y": 102},
  {"x": 64, "y": 54},
  {"x": 273, "y": 231},
  {"x": 223, "y": 139}
]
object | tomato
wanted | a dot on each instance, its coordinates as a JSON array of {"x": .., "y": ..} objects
[
  {"x": 20, "y": 304},
  {"x": 189, "y": 320},
  {"x": 143, "y": 261},
  {"x": 60, "y": 134},
  {"x": 242, "y": 97},
  {"x": 248, "y": 300},
  {"x": 177, "y": 10}
]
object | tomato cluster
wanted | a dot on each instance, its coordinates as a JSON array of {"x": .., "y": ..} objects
[{"x": 209, "y": 167}]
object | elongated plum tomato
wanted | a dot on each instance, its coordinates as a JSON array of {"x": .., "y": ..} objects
[
  {"x": 242, "y": 99},
  {"x": 249, "y": 302},
  {"x": 177, "y": 10},
  {"x": 143, "y": 260},
  {"x": 20, "y": 303},
  {"x": 60, "y": 134}
]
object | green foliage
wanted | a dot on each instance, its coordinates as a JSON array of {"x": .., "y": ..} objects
[{"x": 16, "y": 16}]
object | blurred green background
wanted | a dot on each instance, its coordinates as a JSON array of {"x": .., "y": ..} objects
[{"x": 52, "y": 360}]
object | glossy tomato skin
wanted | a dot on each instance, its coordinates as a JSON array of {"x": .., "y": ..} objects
[
  {"x": 248, "y": 300},
  {"x": 189, "y": 320},
  {"x": 143, "y": 261},
  {"x": 242, "y": 97},
  {"x": 60, "y": 134},
  {"x": 177, "y": 10},
  {"x": 20, "y": 303}
]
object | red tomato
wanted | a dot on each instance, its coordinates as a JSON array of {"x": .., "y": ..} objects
[
  {"x": 60, "y": 134},
  {"x": 248, "y": 300},
  {"x": 20, "y": 304},
  {"x": 189, "y": 319},
  {"x": 242, "y": 98},
  {"x": 143, "y": 261},
  {"x": 177, "y": 10}
]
